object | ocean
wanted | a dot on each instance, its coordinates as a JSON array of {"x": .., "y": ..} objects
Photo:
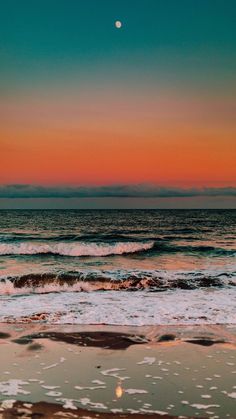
[{"x": 118, "y": 267}]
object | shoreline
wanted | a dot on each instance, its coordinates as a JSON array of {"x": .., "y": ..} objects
[
  {"x": 202, "y": 334},
  {"x": 49, "y": 410},
  {"x": 117, "y": 371}
]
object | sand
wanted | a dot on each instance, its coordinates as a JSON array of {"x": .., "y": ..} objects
[{"x": 117, "y": 372}]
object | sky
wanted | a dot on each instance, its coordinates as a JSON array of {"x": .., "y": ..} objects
[{"x": 148, "y": 107}]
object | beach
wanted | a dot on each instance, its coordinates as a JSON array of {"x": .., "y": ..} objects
[
  {"x": 113, "y": 372},
  {"x": 111, "y": 314}
]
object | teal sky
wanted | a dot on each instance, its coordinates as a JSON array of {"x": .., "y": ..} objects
[{"x": 181, "y": 41}]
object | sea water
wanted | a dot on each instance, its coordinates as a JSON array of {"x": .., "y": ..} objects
[{"x": 126, "y": 267}]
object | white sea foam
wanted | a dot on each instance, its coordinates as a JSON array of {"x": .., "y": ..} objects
[
  {"x": 68, "y": 403},
  {"x": 200, "y": 306},
  {"x": 135, "y": 391},
  {"x": 53, "y": 393},
  {"x": 74, "y": 249},
  {"x": 13, "y": 387},
  {"x": 89, "y": 387},
  {"x": 7, "y": 404},
  {"x": 147, "y": 360},
  {"x": 232, "y": 395},
  {"x": 203, "y": 406},
  {"x": 85, "y": 401},
  {"x": 7, "y": 288}
]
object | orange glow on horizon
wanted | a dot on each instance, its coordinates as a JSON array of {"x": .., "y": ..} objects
[{"x": 81, "y": 141}]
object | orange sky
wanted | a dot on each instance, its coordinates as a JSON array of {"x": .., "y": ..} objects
[{"x": 115, "y": 135}]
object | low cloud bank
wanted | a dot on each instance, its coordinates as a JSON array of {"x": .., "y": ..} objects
[{"x": 116, "y": 191}]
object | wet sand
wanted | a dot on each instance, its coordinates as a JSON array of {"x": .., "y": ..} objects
[
  {"x": 50, "y": 410},
  {"x": 113, "y": 372}
]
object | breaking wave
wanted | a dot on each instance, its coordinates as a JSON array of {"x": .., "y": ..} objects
[
  {"x": 74, "y": 249},
  {"x": 88, "y": 281},
  {"x": 107, "y": 248}
]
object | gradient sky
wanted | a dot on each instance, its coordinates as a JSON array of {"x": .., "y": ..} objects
[{"x": 84, "y": 103}]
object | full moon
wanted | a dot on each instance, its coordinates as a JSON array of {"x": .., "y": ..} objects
[{"x": 118, "y": 24}]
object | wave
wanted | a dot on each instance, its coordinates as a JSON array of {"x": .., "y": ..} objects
[
  {"x": 74, "y": 249},
  {"x": 108, "y": 248},
  {"x": 97, "y": 237},
  {"x": 164, "y": 247},
  {"x": 39, "y": 237},
  {"x": 88, "y": 281}
]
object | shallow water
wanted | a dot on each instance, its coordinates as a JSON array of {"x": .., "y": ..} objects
[{"x": 176, "y": 377}]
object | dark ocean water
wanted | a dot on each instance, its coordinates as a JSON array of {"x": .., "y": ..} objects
[{"x": 122, "y": 267}]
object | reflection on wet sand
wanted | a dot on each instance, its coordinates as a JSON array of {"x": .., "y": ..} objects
[
  {"x": 114, "y": 372},
  {"x": 119, "y": 391}
]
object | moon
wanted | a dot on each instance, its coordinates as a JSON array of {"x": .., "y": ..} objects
[{"x": 118, "y": 24}]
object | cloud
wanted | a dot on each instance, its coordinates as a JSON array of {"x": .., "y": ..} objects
[{"x": 116, "y": 191}]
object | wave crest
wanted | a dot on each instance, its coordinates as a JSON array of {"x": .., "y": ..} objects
[
  {"x": 74, "y": 249},
  {"x": 88, "y": 281}
]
